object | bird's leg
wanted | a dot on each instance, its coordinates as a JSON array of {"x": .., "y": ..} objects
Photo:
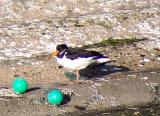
[{"x": 78, "y": 75}]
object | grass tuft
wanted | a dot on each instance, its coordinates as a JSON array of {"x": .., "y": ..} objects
[{"x": 113, "y": 42}]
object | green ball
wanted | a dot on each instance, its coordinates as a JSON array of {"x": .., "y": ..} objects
[
  {"x": 19, "y": 85},
  {"x": 55, "y": 97}
]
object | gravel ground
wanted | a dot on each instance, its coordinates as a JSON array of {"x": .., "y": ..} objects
[
  {"x": 30, "y": 30},
  {"x": 129, "y": 80}
]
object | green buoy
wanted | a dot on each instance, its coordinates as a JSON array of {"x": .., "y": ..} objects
[
  {"x": 19, "y": 85},
  {"x": 55, "y": 97}
]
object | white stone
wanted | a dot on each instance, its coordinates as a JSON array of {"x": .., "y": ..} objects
[
  {"x": 158, "y": 58},
  {"x": 145, "y": 78},
  {"x": 146, "y": 60},
  {"x": 19, "y": 63}
]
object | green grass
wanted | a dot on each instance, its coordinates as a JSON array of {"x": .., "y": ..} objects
[
  {"x": 77, "y": 24},
  {"x": 113, "y": 42}
]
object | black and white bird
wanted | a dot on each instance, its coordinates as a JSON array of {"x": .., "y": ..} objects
[{"x": 76, "y": 58}]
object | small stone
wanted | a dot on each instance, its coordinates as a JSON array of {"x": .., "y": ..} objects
[
  {"x": 158, "y": 58},
  {"x": 19, "y": 63},
  {"x": 146, "y": 60},
  {"x": 13, "y": 68},
  {"x": 145, "y": 78}
]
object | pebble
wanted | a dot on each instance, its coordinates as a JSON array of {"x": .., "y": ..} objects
[
  {"x": 146, "y": 60},
  {"x": 13, "y": 68},
  {"x": 96, "y": 84},
  {"x": 19, "y": 63},
  {"x": 93, "y": 86},
  {"x": 158, "y": 58},
  {"x": 145, "y": 78},
  {"x": 152, "y": 72}
]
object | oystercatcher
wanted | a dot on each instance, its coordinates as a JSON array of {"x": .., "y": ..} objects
[{"x": 76, "y": 58}]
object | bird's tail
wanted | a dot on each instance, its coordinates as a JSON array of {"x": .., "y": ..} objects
[{"x": 103, "y": 60}]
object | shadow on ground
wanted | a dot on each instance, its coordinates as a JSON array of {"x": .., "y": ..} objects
[
  {"x": 33, "y": 89},
  {"x": 101, "y": 70},
  {"x": 97, "y": 71},
  {"x": 66, "y": 99}
]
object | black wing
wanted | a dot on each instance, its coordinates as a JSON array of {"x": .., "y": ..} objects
[{"x": 73, "y": 53}]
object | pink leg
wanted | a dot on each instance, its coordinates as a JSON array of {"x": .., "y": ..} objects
[{"x": 78, "y": 75}]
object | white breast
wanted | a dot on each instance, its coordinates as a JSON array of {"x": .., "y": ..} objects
[{"x": 75, "y": 64}]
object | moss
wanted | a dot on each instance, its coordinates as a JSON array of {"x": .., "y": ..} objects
[
  {"x": 113, "y": 42},
  {"x": 78, "y": 24}
]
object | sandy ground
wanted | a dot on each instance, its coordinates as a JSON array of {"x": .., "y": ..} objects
[{"x": 122, "y": 82}]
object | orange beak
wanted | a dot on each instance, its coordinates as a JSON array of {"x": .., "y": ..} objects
[{"x": 55, "y": 53}]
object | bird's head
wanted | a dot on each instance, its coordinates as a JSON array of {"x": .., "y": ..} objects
[{"x": 60, "y": 49}]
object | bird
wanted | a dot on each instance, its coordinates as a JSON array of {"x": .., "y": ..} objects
[{"x": 77, "y": 58}]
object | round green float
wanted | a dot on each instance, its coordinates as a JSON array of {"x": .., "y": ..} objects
[
  {"x": 19, "y": 85},
  {"x": 55, "y": 97}
]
